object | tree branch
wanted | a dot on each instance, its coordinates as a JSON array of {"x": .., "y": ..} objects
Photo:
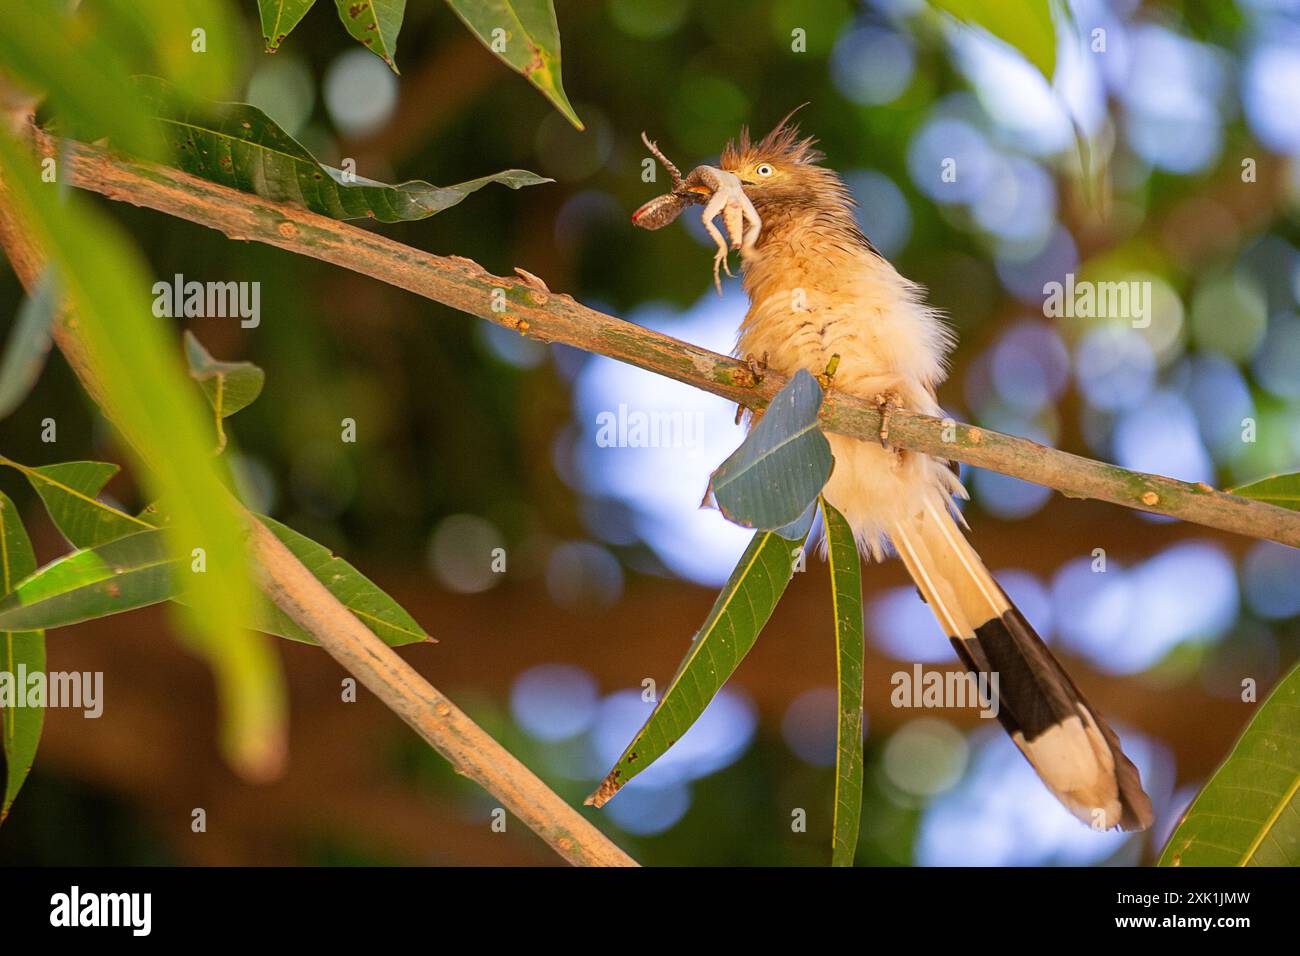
[
  {"x": 297, "y": 592},
  {"x": 532, "y": 310},
  {"x": 470, "y": 750}
]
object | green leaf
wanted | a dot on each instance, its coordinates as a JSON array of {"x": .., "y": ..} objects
[
  {"x": 781, "y": 466},
  {"x": 374, "y": 24},
  {"x": 164, "y": 40},
  {"x": 79, "y": 71},
  {"x": 526, "y": 36},
  {"x": 1280, "y": 490},
  {"x": 22, "y": 649},
  {"x": 1249, "y": 812},
  {"x": 279, "y": 17},
  {"x": 846, "y": 592},
  {"x": 742, "y": 608},
  {"x": 28, "y": 344},
  {"x": 1023, "y": 24},
  {"x": 143, "y": 386},
  {"x": 70, "y": 491},
  {"x": 375, "y": 609},
  {"x": 229, "y": 386},
  {"x": 122, "y": 575},
  {"x": 798, "y": 529},
  {"x": 238, "y": 146},
  {"x": 80, "y": 58}
]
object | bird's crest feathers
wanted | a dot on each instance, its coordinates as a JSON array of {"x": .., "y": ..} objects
[{"x": 782, "y": 145}]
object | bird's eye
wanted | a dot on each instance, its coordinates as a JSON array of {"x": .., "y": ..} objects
[{"x": 764, "y": 169}]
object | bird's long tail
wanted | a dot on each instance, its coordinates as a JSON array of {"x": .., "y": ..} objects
[{"x": 1068, "y": 743}]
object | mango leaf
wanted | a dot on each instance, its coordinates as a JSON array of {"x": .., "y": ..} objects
[
  {"x": 229, "y": 386},
  {"x": 1025, "y": 25},
  {"x": 81, "y": 57},
  {"x": 846, "y": 593},
  {"x": 79, "y": 72},
  {"x": 70, "y": 491},
  {"x": 1248, "y": 814},
  {"x": 372, "y": 606},
  {"x": 22, "y": 650},
  {"x": 279, "y": 17},
  {"x": 196, "y": 44},
  {"x": 239, "y": 146},
  {"x": 374, "y": 24},
  {"x": 146, "y": 392},
  {"x": 28, "y": 344},
  {"x": 122, "y": 575},
  {"x": 798, "y": 529},
  {"x": 739, "y": 613},
  {"x": 781, "y": 466},
  {"x": 526, "y": 36},
  {"x": 375, "y": 609},
  {"x": 1280, "y": 490}
]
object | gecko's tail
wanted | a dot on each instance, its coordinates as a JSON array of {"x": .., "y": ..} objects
[{"x": 1068, "y": 743}]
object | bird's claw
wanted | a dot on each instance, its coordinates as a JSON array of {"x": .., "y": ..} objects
[
  {"x": 757, "y": 369},
  {"x": 887, "y": 402}
]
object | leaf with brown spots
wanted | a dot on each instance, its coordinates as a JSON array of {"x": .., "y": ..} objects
[
  {"x": 526, "y": 36},
  {"x": 374, "y": 24},
  {"x": 279, "y": 17},
  {"x": 121, "y": 575},
  {"x": 238, "y": 146}
]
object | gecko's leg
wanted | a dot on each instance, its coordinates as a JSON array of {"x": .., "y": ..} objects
[
  {"x": 720, "y": 259},
  {"x": 733, "y": 215},
  {"x": 750, "y": 216}
]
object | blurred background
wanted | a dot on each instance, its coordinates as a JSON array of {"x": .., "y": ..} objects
[{"x": 470, "y": 438}]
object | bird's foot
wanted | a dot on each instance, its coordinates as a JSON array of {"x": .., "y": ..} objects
[
  {"x": 757, "y": 368},
  {"x": 887, "y": 402}
]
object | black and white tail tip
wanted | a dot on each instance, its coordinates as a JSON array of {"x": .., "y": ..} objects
[{"x": 1071, "y": 747}]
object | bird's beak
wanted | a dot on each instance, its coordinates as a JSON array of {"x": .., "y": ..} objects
[{"x": 702, "y": 190}]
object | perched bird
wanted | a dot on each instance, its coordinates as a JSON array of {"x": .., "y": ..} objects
[{"x": 817, "y": 288}]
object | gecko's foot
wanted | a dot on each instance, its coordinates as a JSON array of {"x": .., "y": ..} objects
[
  {"x": 720, "y": 266},
  {"x": 887, "y": 402}
]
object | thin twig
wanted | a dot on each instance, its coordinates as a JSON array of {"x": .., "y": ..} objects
[
  {"x": 298, "y": 593},
  {"x": 467, "y": 286}
]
